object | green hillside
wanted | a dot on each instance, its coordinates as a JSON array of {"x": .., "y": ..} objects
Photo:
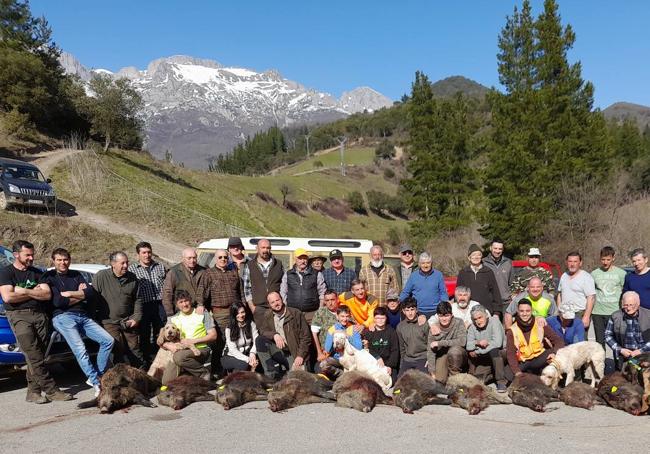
[{"x": 355, "y": 156}]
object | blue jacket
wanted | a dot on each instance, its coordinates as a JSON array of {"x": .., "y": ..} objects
[
  {"x": 574, "y": 333},
  {"x": 427, "y": 289},
  {"x": 353, "y": 337}
]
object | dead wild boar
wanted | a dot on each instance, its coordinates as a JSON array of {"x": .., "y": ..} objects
[
  {"x": 299, "y": 388},
  {"x": 241, "y": 387},
  {"x": 184, "y": 390},
  {"x": 359, "y": 391},
  {"x": 621, "y": 394},
  {"x": 415, "y": 389}
]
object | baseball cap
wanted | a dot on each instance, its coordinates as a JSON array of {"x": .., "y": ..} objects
[
  {"x": 405, "y": 247},
  {"x": 300, "y": 252},
  {"x": 336, "y": 254},
  {"x": 534, "y": 252},
  {"x": 392, "y": 294}
]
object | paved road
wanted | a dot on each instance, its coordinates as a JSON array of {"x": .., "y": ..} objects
[{"x": 206, "y": 427}]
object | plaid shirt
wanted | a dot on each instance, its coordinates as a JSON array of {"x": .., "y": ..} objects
[
  {"x": 340, "y": 283},
  {"x": 150, "y": 280},
  {"x": 633, "y": 338},
  {"x": 378, "y": 285},
  {"x": 220, "y": 288}
]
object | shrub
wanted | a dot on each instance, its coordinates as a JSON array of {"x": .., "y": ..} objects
[
  {"x": 378, "y": 201},
  {"x": 356, "y": 203},
  {"x": 385, "y": 150},
  {"x": 318, "y": 164},
  {"x": 17, "y": 124},
  {"x": 389, "y": 173}
]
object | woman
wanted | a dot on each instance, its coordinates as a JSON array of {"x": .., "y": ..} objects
[{"x": 240, "y": 352}]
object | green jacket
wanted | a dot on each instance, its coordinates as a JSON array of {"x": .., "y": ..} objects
[{"x": 117, "y": 297}]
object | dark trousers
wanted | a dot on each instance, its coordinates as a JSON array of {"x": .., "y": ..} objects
[
  {"x": 31, "y": 330},
  {"x": 534, "y": 366},
  {"x": 221, "y": 319},
  {"x": 488, "y": 365},
  {"x": 185, "y": 361},
  {"x": 127, "y": 344},
  {"x": 419, "y": 364},
  {"x": 230, "y": 363},
  {"x": 153, "y": 319},
  {"x": 275, "y": 362},
  {"x": 600, "y": 323}
]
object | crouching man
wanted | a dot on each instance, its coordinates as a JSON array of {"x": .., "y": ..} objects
[
  {"x": 197, "y": 330},
  {"x": 284, "y": 337},
  {"x": 484, "y": 344},
  {"x": 446, "y": 353}
]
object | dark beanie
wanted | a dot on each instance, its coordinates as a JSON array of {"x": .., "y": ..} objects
[{"x": 473, "y": 248}]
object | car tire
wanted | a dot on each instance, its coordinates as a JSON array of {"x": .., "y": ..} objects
[{"x": 4, "y": 204}]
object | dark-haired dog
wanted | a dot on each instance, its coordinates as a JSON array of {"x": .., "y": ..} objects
[
  {"x": 619, "y": 393},
  {"x": 122, "y": 386},
  {"x": 359, "y": 391},
  {"x": 300, "y": 388},
  {"x": 241, "y": 387},
  {"x": 415, "y": 389},
  {"x": 528, "y": 390},
  {"x": 581, "y": 395},
  {"x": 184, "y": 390}
]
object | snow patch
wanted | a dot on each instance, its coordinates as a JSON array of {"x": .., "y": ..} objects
[{"x": 241, "y": 72}]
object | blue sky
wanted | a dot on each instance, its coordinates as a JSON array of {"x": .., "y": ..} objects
[{"x": 337, "y": 45}]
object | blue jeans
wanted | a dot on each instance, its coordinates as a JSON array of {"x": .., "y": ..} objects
[{"x": 72, "y": 326}]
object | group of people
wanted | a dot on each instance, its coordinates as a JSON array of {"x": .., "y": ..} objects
[{"x": 249, "y": 313}]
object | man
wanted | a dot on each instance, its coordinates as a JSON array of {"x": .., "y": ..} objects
[
  {"x": 525, "y": 343},
  {"x": 302, "y": 287},
  {"x": 542, "y": 303},
  {"x": 151, "y": 276},
  {"x": 502, "y": 268},
  {"x": 567, "y": 325},
  {"x": 533, "y": 269},
  {"x": 71, "y": 295},
  {"x": 26, "y": 301},
  {"x": 481, "y": 281},
  {"x": 120, "y": 308},
  {"x": 446, "y": 353},
  {"x": 362, "y": 305},
  {"x": 324, "y": 317},
  {"x": 406, "y": 265},
  {"x": 283, "y": 341},
  {"x": 484, "y": 343},
  {"x": 383, "y": 343},
  {"x": 628, "y": 329},
  {"x": 238, "y": 259},
  {"x": 426, "y": 285},
  {"x": 639, "y": 280},
  {"x": 318, "y": 263},
  {"x": 187, "y": 276},
  {"x": 262, "y": 275},
  {"x": 338, "y": 277},
  {"x": 220, "y": 288},
  {"x": 394, "y": 310},
  {"x": 577, "y": 288},
  {"x": 461, "y": 307},
  {"x": 196, "y": 330},
  {"x": 378, "y": 277},
  {"x": 412, "y": 338},
  {"x": 609, "y": 281}
]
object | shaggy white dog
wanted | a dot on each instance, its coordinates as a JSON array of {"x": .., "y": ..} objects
[
  {"x": 362, "y": 361},
  {"x": 572, "y": 357}
]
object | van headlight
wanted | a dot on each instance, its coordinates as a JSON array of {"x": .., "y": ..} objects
[{"x": 13, "y": 188}]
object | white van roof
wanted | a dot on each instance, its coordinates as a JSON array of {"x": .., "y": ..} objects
[{"x": 291, "y": 244}]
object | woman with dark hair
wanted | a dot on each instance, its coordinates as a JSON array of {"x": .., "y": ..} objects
[{"x": 240, "y": 352}]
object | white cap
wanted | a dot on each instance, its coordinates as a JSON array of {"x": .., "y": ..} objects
[
  {"x": 567, "y": 312},
  {"x": 534, "y": 251}
]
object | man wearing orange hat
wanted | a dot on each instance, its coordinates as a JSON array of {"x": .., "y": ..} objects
[{"x": 302, "y": 287}]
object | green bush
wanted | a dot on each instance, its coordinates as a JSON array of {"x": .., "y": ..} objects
[
  {"x": 385, "y": 150},
  {"x": 17, "y": 124},
  {"x": 355, "y": 202},
  {"x": 389, "y": 173}
]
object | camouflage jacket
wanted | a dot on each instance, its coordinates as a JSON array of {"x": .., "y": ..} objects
[{"x": 520, "y": 282}]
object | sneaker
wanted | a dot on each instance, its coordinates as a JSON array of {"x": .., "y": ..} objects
[
  {"x": 501, "y": 387},
  {"x": 97, "y": 390},
  {"x": 36, "y": 398},
  {"x": 59, "y": 395}
]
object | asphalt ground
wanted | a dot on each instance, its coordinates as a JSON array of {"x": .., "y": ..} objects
[{"x": 206, "y": 427}]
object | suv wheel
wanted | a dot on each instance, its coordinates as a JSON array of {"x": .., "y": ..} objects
[{"x": 3, "y": 201}]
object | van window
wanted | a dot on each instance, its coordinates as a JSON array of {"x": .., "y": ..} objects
[
  {"x": 333, "y": 244},
  {"x": 354, "y": 263},
  {"x": 206, "y": 259},
  {"x": 274, "y": 241}
]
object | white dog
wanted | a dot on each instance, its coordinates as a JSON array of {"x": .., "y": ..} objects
[
  {"x": 362, "y": 361},
  {"x": 572, "y": 357}
]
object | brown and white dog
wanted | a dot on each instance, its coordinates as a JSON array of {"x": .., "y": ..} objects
[
  {"x": 362, "y": 361},
  {"x": 169, "y": 333},
  {"x": 572, "y": 357}
]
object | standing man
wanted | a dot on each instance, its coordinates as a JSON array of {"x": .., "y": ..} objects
[
  {"x": 577, "y": 288},
  {"x": 262, "y": 275},
  {"x": 481, "y": 282},
  {"x": 187, "y": 276},
  {"x": 378, "y": 277},
  {"x": 609, "y": 281},
  {"x": 302, "y": 287},
  {"x": 238, "y": 259},
  {"x": 220, "y": 288},
  {"x": 151, "y": 276},
  {"x": 503, "y": 271},
  {"x": 70, "y": 317},
  {"x": 406, "y": 266},
  {"x": 427, "y": 286},
  {"x": 639, "y": 280},
  {"x": 25, "y": 301},
  {"x": 533, "y": 269},
  {"x": 337, "y": 277},
  {"x": 120, "y": 308}
]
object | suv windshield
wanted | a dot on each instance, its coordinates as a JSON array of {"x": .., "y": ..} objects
[{"x": 23, "y": 173}]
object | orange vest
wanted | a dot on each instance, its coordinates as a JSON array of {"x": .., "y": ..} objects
[
  {"x": 531, "y": 349},
  {"x": 362, "y": 312}
]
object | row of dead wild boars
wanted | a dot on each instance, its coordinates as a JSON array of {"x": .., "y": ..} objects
[
  {"x": 122, "y": 386},
  {"x": 574, "y": 357},
  {"x": 619, "y": 393},
  {"x": 359, "y": 391},
  {"x": 415, "y": 389},
  {"x": 241, "y": 387},
  {"x": 299, "y": 388},
  {"x": 472, "y": 394},
  {"x": 528, "y": 390},
  {"x": 184, "y": 390}
]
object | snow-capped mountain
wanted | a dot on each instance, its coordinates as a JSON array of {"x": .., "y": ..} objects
[{"x": 198, "y": 108}]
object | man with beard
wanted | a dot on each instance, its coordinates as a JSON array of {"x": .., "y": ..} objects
[
  {"x": 461, "y": 307},
  {"x": 525, "y": 343},
  {"x": 378, "y": 277},
  {"x": 262, "y": 275},
  {"x": 302, "y": 287}
]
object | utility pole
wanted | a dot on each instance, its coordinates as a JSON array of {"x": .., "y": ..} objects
[
  {"x": 307, "y": 140},
  {"x": 342, "y": 141}
]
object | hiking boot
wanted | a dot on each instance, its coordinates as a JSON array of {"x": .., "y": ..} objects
[
  {"x": 37, "y": 398},
  {"x": 59, "y": 395},
  {"x": 501, "y": 387}
]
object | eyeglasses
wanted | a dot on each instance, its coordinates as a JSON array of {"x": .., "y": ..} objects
[
  {"x": 221, "y": 257},
  {"x": 407, "y": 253}
]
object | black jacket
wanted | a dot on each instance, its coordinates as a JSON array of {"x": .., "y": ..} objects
[{"x": 483, "y": 285}]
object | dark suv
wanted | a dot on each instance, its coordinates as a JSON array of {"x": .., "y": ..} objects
[{"x": 22, "y": 183}]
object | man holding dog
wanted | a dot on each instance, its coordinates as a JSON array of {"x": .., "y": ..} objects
[{"x": 628, "y": 329}]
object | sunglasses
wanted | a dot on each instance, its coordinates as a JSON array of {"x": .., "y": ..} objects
[
  {"x": 407, "y": 253},
  {"x": 222, "y": 257}
]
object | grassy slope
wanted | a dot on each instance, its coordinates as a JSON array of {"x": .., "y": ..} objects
[
  {"x": 357, "y": 156},
  {"x": 229, "y": 198}
]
